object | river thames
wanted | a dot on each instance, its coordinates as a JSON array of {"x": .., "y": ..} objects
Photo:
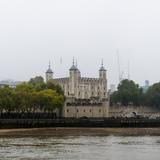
[{"x": 80, "y": 148}]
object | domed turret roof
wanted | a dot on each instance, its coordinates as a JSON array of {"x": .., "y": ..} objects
[
  {"x": 74, "y": 67},
  {"x": 49, "y": 70},
  {"x": 102, "y": 67}
]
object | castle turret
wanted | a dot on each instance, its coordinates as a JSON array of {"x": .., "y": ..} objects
[
  {"x": 49, "y": 73},
  {"x": 74, "y": 78},
  {"x": 102, "y": 72},
  {"x": 103, "y": 81}
]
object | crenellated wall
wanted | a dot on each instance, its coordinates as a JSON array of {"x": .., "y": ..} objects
[{"x": 85, "y": 88}]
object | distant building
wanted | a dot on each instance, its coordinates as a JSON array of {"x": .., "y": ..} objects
[
  {"x": 112, "y": 88},
  {"x": 85, "y": 97},
  {"x": 146, "y": 86},
  {"x": 2, "y": 85},
  {"x": 10, "y": 83}
]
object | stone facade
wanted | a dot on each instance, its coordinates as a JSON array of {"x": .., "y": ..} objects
[
  {"x": 88, "y": 110},
  {"x": 85, "y": 97},
  {"x": 49, "y": 73},
  {"x": 131, "y": 111}
]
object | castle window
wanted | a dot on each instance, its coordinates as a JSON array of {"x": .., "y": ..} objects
[
  {"x": 67, "y": 110},
  {"x": 68, "y": 93},
  {"x": 98, "y": 93},
  {"x": 100, "y": 111},
  {"x": 84, "y": 111},
  {"x": 104, "y": 93},
  {"x": 79, "y": 93},
  {"x": 92, "y": 93},
  {"x": 77, "y": 110},
  {"x": 90, "y": 110}
]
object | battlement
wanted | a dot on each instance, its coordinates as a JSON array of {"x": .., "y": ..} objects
[
  {"x": 62, "y": 80},
  {"x": 86, "y": 79}
]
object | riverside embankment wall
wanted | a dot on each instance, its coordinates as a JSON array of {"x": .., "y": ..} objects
[
  {"x": 130, "y": 111},
  {"x": 71, "y": 122}
]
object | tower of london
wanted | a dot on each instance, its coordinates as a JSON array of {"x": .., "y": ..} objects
[{"x": 85, "y": 97}]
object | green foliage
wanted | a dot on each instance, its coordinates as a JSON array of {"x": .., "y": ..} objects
[
  {"x": 37, "y": 83},
  {"x": 36, "y": 80},
  {"x": 7, "y": 102},
  {"x": 32, "y": 96},
  {"x": 52, "y": 85},
  {"x": 152, "y": 97},
  {"x": 128, "y": 93}
]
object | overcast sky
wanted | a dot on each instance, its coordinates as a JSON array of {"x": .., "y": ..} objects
[{"x": 34, "y": 31}]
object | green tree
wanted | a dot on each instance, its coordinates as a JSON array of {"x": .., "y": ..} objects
[
  {"x": 37, "y": 83},
  {"x": 54, "y": 86},
  {"x": 7, "y": 102},
  {"x": 128, "y": 93},
  {"x": 47, "y": 100},
  {"x": 33, "y": 96},
  {"x": 37, "y": 79},
  {"x": 152, "y": 97},
  {"x": 23, "y": 97}
]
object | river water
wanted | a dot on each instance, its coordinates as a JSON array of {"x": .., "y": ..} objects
[{"x": 81, "y": 148}]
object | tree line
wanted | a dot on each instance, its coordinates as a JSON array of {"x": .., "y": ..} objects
[
  {"x": 32, "y": 96},
  {"x": 130, "y": 93}
]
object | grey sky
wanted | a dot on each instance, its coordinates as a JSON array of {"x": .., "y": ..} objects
[{"x": 34, "y": 31}]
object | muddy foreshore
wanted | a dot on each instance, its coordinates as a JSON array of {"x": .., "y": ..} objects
[{"x": 79, "y": 132}]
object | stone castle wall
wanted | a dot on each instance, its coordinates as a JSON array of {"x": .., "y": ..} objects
[
  {"x": 129, "y": 111},
  {"x": 90, "y": 111},
  {"x": 85, "y": 88}
]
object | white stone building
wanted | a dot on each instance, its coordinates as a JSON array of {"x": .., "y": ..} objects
[{"x": 85, "y": 97}]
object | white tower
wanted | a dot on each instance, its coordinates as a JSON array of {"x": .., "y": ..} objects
[
  {"x": 49, "y": 73},
  {"x": 103, "y": 81},
  {"x": 74, "y": 79},
  {"x": 102, "y": 72}
]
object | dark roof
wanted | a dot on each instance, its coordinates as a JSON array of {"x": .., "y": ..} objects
[
  {"x": 73, "y": 68},
  {"x": 102, "y": 69},
  {"x": 49, "y": 70}
]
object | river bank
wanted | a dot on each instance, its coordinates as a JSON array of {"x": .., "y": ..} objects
[
  {"x": 110, "y": 122},
  {"x": 80, "y": 132}
]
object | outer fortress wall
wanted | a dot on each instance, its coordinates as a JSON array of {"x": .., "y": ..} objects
[
  {"x": 130, "y": 111},
  {"x": 89, "y": 111}
]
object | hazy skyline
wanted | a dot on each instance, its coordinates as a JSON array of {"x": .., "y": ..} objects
[{"x": 32, "y": 32}]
